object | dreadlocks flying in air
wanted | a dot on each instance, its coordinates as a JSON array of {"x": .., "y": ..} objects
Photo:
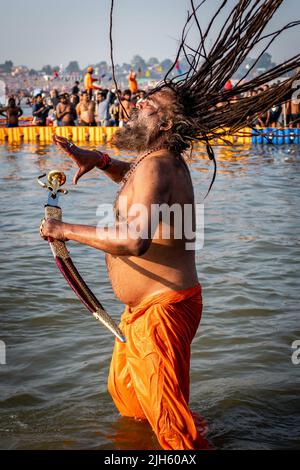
[
  {"x": 202, "y": 108},
  {"x": 153, "y": 275}
]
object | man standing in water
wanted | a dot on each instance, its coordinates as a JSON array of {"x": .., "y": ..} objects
[
  {"x": 155, "y": 276},
  {"x": 149, "y": 374}
]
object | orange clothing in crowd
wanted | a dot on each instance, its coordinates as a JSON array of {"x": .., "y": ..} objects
[
  {"x": 149, "y": 374},
  {"x": 133, "y": 86},
  {"x": 89, "y": 82}
]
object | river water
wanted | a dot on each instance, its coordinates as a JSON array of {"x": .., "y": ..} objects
[{"x": 243, "y": 381}]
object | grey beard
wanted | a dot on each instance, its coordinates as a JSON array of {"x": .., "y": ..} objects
[{"x": 137, "y": 138}]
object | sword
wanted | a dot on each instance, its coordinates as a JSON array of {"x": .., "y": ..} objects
[{"x": 55, "y": 180}]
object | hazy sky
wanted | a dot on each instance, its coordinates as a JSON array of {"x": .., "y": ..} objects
[{"x": 40, "y": 32}]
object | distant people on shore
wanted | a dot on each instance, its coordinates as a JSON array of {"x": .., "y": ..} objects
[
  {"x": 293, "y": 110},
  {"x": 65, "y": 111},
  {"x": 40, "y": 110},
  {"x": 85, "y": 110},
  {"x": 89, "y": 82},
  {"x": 141, "y": 96},
  {"x": 133, "y": 86},
  {"x": 114, "y": 112},
  {"x": 75, "y": 89},
  {"x": 125, "y": 109},
  {"x": 54, "y": 100},
  {"x": 74, "y": 98},
  {"x": 103, "y": 108},
  {"x": 12, "y": 113},
  {"x": 97, "y": 106}
]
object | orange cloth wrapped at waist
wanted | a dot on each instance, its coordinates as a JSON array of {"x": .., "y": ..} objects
[{"x": 149, "y": 374}]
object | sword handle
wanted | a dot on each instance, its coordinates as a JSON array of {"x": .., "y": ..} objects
[
  {"x": 52, "y": 212},
  {"x": 58, "y": 247}
]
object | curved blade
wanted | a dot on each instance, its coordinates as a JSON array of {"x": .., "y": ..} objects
[
  {"x": 66, "y": 266},
  {"x": 83, "y": 292}
]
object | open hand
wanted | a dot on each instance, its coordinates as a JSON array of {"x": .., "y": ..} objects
[
  {"x": 85, "y": 159},
  {"x": 65, "y": 145}
]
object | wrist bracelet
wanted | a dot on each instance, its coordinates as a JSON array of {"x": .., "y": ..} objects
[{"x": 105, "y": 160}]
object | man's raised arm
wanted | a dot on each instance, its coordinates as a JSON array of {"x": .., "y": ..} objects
[
  {"x": 133, "y": 236},
  {"x": 89, "y": 159}
]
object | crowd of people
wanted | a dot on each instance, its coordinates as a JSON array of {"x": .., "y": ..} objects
[
  {"x": 96, "y": 106},
  {"x": 280, "y": 114},
  {"x": 92, "y": 105},
  {"x": 81, "y": 108},
  {"x": 78, "y": 108}
]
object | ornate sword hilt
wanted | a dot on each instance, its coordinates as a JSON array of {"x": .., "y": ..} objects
[{"x": 55, "y": 180}]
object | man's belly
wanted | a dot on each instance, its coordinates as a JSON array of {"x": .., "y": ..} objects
[
  {"x": 86, "y": 116},
  {"x": 134, "y": 278},
  {"x": 12, "y": 118}
]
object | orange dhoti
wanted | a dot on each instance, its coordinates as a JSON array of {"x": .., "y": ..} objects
[{"x": 149, "y": 374}]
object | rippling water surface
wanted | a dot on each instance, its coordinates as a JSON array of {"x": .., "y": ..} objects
[{"x": 53, "y": 387}]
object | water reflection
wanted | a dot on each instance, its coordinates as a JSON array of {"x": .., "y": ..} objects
[{"x": 131, "y": 434}]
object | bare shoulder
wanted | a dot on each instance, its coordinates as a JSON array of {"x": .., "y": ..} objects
[
  {"x": 158, "y": 163},
  {"x": 154, "y": 173}
]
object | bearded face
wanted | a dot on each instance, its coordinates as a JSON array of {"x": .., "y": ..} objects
[{"x": 144, "y": 129}]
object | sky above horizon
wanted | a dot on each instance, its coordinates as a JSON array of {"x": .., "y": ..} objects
[{"x": 37, "y": 32}]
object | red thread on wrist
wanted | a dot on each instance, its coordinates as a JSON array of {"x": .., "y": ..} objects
[{"x": 105, "y": 161}]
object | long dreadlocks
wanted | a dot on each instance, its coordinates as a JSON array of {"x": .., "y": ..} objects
[{"x": 203, "y": 109}]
